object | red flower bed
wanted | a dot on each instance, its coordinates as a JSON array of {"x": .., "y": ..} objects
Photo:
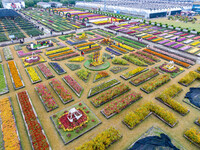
[
  {"x": 39, "y": 140},
  {"x": 70, "y": 126}
]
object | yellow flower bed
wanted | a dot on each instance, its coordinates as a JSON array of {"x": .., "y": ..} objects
[
  {"x": 75, "y": 26},
  {"x": 80, "y": 58},
  {"x": 86, "y": 47},
  {"x": 57, "y": 51},
  {"x": 84, "y": 44},
  {"x": 10, "y": 137},
  {"x": 33, "y": 74},
  {"x": 194, "y": 50},
  {"x": 158, "y": 39},
  {"x": 146, "y": 36},
  {"x": 127, "y": 47},
  {"x": 195, "y": 43},
  {"x": 134, "y": 27},
  {"x": 30, "y": 64},
  {"x": 123, "y": 24}
]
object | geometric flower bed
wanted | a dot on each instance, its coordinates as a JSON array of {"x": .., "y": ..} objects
[
  {"x": 33, "y": 75},
  {"x": 132, "y": 119},
  {"x": 166, "y": 98},
  {"x": 155, "y": 83},
  {"x": 46, "y": 98},
  {"x": 117, "y": 105},
  {"x": 27, "y": 62},
  {"x": 155, "y": 138},
  {"x": 189, "y": 78},
  {"x": 45, "y": 71},
  {"x": 135, "y": 60},
  {"x": 119, "y": 61},
  {"x": 23, "y": 54},
  {"x": 57, "y": 68},
  {"x": 9, "y": 129},
  {"x": 3, "y": 83},
  {"x": 15, "y": 76},
  {"x": 83, "y": 75},
  {"x": 73, "y": 67},
  {"x": 133, "y": 73},
  {"x": 77, "y": 59},
  {"x": 103, "y": 140},
  {"x": 109, "y": 95},
  {"x": 117, "y": 69},
  {"x": 102, "y": 87},
  {"x": 70, "y": 131},
  {"x": 7, "y": 53},
  {"x": 33, "y": 126},
  {"x": 175, "y": 71},
  {"x": 144, "y": 77},
  {"x": 142, "y": 58},
  {"x": 74, "y": 85},
  {"x": 61, "y": 91},
  {"x": 100, "y": 75},
  {"x": 193, "y": 136}
]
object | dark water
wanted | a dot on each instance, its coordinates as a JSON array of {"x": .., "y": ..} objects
[
  {"x": 194, "y": 96},
  {"x": 154, "y": 143}
]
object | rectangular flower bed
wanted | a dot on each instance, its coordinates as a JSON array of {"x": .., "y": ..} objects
[
  {"x": 45, "y": 71},
  {"x": 119, "y": 49},
  {"x": 33, "y": 75},
  {"x": 134, "y": 60},
  {"x": 64, "y": 95},
  {"x": 113, "y": 51},
  {"x": 74, "y": 85},
  {"x": 177, "y": 46},
  {"x": 33, "y": 126},
  {"x": 109, "y": 95},
  {"x": 10, "y": 134},
  {"x": 59, "y": 54},
  {"x": 163, "y": 42},
  {"x": 142, "y": 58},
  {"x": 57, "y": 68},
  {"x": 57, "y": 51},
  {"x": 189, "y": 78},
  {"x": 102, "y": 87},
  {"x": 46, "y": 98},
  {"x": 15, "y": 75},
  {"x": 83, "y": 75},
  {"x": 192, "y": 135},
  {"x": 117, "y": 69},
  {"x": 117, "y": 105},
  {"x": 73, "y": 54},
  {"x": 170, "y": 44},
  {"x": 3, "y": 83},
  {"x": 73, "y": 67},
  {"x": 7, "y": 53},
  {"x": 23, "y": 54},
  {"x": 154, "y": 84},
  {"x": 100, "y": 75},
  {"x": 92, "y": 49},
  {"x": 70, "y": 131},
  {"x": 133, "y": 73},
  {"x": 75, "y": 43}
]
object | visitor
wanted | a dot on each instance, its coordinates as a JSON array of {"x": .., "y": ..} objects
[
  {"x": 62, "y": 33},
  {"x": 31, "y": 36},
  {"x": 114, "y": 42},
  {"x": 16, "y": 38},
  {"x": 141, "y": 39},
  {"x": 90, "y": 46},
  {"x": 176, "y": 39},
  {"x": 138, "y": 38},
  {"x": 82, "y": 53},
  {"x": 118, "y": 44},
  {"x": 112, "y": 56},
  {"x": 12, "y": 41},
  {"x": 23, "y": 39}
]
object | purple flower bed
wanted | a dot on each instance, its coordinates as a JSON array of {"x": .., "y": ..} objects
[
  {"x": 181, "y": 39},
  {"x": 112, "y": 51},
  {"x": 22, "y": 54},
  {"x": 151, "y": 32},
  {"x": 61, "y": 44},
  {"x": 164, "y": 41},
  {"x": 166, "y": 31},
  {"x": 178, "y": 33},
  {"x": 178, "y": 45},
  {"x": 170, "y": 43},
  {"x": 166, "y": 70},
  {"x": 190, "y": 36},
  {"x": 185, "y": 48},
  {"x": 162, "y": 34},
  {"x": 98, "y": 37},
  {"x": 173, "y": 38}
]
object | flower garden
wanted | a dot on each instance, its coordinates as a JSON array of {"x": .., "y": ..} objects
[{"x": 53, "y": 100}]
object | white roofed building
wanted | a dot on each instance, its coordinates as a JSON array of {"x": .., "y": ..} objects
[{"x": 13, "y": 4}]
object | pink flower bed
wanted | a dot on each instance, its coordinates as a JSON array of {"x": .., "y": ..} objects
[
  {"x": 45, "y": 70},
  {"x": 22, "y": 54}
]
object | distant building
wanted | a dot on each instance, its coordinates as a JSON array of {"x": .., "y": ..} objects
[
  {"x": 13, "y": 4},
  {"x": 56, "y": 4},
  {"x": 44, "y": 4},
  {"x": 196, "y": 7}
]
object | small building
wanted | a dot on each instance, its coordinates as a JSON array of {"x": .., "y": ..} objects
[
  {"x": 13, "y": 4},
  {"x": 44, "y": 4},
  {"x": 55, "y": 4}
]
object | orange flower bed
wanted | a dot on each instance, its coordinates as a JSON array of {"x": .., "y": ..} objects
[
  {"x": 168, "y": 58},
  {"x": 85, "y": 44},
  {"x": 9, "y": 130},
  {"x": 91, "y": 49},
  {"x": 59, "y": 54},
  {"x": 120, "y": 49},
  {"x": 15, "y": 75}
]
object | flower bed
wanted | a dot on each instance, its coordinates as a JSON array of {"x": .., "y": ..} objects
[
  {"x": 3, "y": 83},
  {"x": 197, "y": 122},
  {"x": 15, "y": 76},
  {"x": 166, "y": 98},
  {"x": 126, "y": 47},
  {"x": 133, "y": 73},
  {"x": 189, "y": 78},
  {"x": 73, "y": 66},
  {"x": 193, "y": 136},
  {"x": 154, "y": 84},
  {"x": 85, "y": 44},
  {"x": 28, "y": 63},
  {"x": 100, "y": 75},
  {"x": 45, "y": 71},
  {"x": 23, "y": 54},
  {"x": 57, "y": 51},
  {"x": 117, "y": 69},
  {"x": 75, "y": 43},
  {"x": 119, "y": 49},
  {"x": 132, "y": 41},
  {"x": 69, "y": 131},
  {"x": 132, "y": 119},
  {"x": 104, "y": 139},
  {"x": 9, "y": 129},
  {"x": 60, "y": 54},
  {"x": 102, "y": 87},
  {"x": 83, "y": 75},
  {"x": 150, "y": 56},
  {"x": 113, "y": 51},
  {"x": 18, "y": 47},
  {"x": 74, "y": 85},
  {"x": 144, "y": 77},
  {"x": 33, "y": 75},
  {"x": 74, "y": 54},
  {"x": 117, "y": 105},
  {"x": 61, "y": 91},
  {"x": 36, "y": 134},
  {"x": 109, "y": 95},
  {"x": 92, "y": 49},
  {"x": 142, "y": 58},
  {"x": 127, "y": 43},
  {"x": 0, "y": 58},
  {"x": 7, "y": 53},
  {"x": 119, "y": 61},
  {"x": 57, "y": 68},
  {"x": 134, "y": 60},
  {"x": 77, "y": 59},
  {"x": 46, "y": 98}
]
